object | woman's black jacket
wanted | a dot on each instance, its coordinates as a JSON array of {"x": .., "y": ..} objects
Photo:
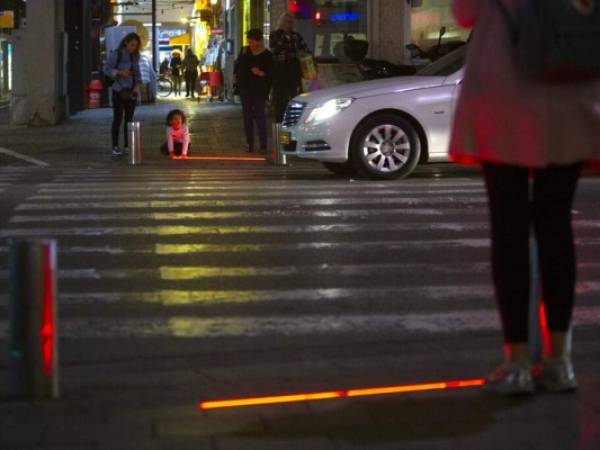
[{"x": 249, "y": 84}]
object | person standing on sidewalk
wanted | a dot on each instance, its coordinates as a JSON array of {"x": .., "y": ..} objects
[
  {"x": 190, "y": 65},
  {"x": 253, "y": 76},
  {"x": 287, "y": 46},
  {"x": 176, "y": 75},
  {"x": 123, "y": 67},
  {"x": 521, "y": 130}
]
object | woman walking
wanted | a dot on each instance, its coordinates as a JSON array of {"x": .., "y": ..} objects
[
  {"x": 287, "y": 46},
  {"x": 521, "y": 132},
  {"x": 176, "y": 73},
  {"x": 253, "y": 74},
  {"x": 123, "y": 68}
]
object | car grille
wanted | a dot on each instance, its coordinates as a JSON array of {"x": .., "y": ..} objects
[{"x": 293, "y": 113}]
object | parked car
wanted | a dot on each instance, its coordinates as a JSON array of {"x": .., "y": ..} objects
[{"x": 378, "y": 129}]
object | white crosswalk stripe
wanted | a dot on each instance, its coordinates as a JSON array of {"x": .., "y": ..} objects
[{"x": 263, "y": 254}]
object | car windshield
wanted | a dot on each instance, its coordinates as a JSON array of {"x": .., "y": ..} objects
[{"x": 446, "y": 65}]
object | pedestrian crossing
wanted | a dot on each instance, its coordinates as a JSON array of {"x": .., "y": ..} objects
[{"x": 270, "y": 252}]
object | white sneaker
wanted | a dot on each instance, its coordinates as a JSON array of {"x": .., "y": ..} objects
[{"x": 510, "y": 379}]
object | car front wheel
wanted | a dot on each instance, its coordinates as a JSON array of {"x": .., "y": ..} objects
[{"x": 385, "y": 146}]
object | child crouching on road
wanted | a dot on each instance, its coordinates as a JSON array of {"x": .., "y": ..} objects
[{"x": 178, "y": 135}]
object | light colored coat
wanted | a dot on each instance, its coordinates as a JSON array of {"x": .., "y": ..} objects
[{"x": 504, "y": 118}]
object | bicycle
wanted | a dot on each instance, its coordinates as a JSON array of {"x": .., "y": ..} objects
[{"x": 165, "y": 85}]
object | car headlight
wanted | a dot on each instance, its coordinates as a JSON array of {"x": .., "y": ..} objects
[{"x": 329, "y": 109}]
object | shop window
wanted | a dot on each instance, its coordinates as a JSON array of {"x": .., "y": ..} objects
[
  {"x": 428, "y": 18},
  {"x": 325, "y": 24}
]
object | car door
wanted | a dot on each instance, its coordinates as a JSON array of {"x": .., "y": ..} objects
[
  {"x": 452, "y": 85},
  {"x": 436, "y": 109}
]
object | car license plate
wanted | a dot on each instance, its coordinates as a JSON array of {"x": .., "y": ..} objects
[{"x": 285, "y": 138}]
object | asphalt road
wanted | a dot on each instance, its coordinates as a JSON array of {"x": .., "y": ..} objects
[{"x": 203, "y": 281}]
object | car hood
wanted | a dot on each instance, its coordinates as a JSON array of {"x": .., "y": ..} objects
[{"x": 372, "y": 88}]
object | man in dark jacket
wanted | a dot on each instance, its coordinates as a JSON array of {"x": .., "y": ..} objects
[
  {"x": 287, "y": 46},
  {"x": 253, "y": 74},
  {"x": 190, "y": 65}
]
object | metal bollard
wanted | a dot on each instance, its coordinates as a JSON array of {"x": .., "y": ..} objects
[
  {"x": 279, "y": 158},
  {"x": 134, "y": 130},
  {"x": 33, "y": 354}
]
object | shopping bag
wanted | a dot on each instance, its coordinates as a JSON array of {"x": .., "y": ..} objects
[{"x": 308, "y": 67}]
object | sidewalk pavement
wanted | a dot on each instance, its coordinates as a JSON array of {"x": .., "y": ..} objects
[
  {"x": 216, "y": 130},
  {"x": 150, "y": 403}
]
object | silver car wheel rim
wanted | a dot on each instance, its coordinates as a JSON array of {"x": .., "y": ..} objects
[{"x": 386, "y": 148}]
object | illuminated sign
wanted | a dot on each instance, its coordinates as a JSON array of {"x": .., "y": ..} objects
[{"x": 344, "y": 17}]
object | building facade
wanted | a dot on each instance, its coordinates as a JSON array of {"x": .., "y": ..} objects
[
  {"x": 388, "y": 25},
  {"x": 51, "y": 49}
]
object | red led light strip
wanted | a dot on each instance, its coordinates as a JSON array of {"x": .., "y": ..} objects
[
  {"x": 544, "y": 330},
  {"x": 348, "y": 393},
  {"x": 222, "y": 158},
  {"x": 47, "y": 328}
]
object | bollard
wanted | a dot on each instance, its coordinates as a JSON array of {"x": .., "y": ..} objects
[
  {"x": 33, "y": 351},
  {"x": 279, "y": 158},
  {"x": 134, "y": 131}
]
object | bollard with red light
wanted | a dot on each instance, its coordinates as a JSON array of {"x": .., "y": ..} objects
[
  {"x": 33, "y": 353},
  {"x": 94, "y": 92}
]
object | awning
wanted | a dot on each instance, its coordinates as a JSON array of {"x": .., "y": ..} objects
[{"x": 182, "y": 39}]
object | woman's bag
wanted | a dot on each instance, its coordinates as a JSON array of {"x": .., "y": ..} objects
[{"x": 557, "y": 40}]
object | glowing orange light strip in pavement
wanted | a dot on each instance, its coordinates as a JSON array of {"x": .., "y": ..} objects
[
  {"x": 223, "y": 158},
  {"x": 253, "y": 401}
]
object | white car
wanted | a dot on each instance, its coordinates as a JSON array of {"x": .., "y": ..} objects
[{"x": 377, "y": 129}]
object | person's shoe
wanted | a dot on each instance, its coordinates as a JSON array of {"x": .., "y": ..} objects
[
  {"x": 117, "y": 152},
  {"x": 510, "y": 379},
  {"x": 555, "y": 375},
  {"x": 250, "y": 149}
]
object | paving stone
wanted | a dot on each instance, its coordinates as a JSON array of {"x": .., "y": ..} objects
[
  {"x": 274, "y": 443},
  {"x": 207, "y": 426},
  {"x": 532, "y": 433},
  {"x": 402, "y": 437},
  {"x": 187, "y": 444}
]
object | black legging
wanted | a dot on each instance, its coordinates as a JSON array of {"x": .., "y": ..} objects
[
  {"x": 121, "y": 107},
  {"x": 190, "y": 82},
  {"x": 512, "y": 213},
  {"x": 176, "y": 84},
  {"x": 253, "y": 108}
]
